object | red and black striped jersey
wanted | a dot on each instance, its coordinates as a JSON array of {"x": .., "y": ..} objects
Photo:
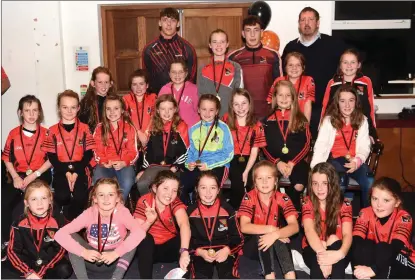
[
  {"x": 255, "y": 138},
  {"x": 345, "y": 216},
  {"x": 159, "y": 54},
  {"x": 19, "y": 153},
  {"x": 260, "y": 214},
  {"x": 140, "y": 112},
  {"x": 219, "y": 218},
  {"x": 298, "y": 143},
  {"x": 164, "y": 228},
  {"x": 22, "y": 251}
]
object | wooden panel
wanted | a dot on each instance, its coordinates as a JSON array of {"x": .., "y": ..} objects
[
  {"x": 124, "y": 68},
  {"x": 214, "y": 12},
  {"x": 126, "y": 35}
]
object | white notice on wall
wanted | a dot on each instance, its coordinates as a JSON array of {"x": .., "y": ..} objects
[{"x": 81, "y": 59}]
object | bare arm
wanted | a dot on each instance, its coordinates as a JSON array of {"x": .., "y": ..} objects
[
  {"x": 312, "y": 238},
  {"x": 307, "y": 110},
  {"x": 252, "y": 159},
  {"x": 290, "y": 229},
  {"x": 5, "y": 85},
  {"x": 248, "y": 227},
  {"x": 183, "y": 223}
]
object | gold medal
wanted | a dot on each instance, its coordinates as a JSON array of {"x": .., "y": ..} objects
[
  {"x": 70, "y": 167},
  {"x": 348, "y": 157},
  {"x": 198, "y": 161},
  {"x": 241, "y": 159},
  {"x": 28, "y": 172},
  {"x": 211, "y": 253},
  {"x": 39, "y": 262},
  {"x": 285, "y": 150},
  {"x": 163, "y": 163}
]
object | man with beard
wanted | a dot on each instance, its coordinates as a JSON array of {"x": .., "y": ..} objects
[
  {"x": 322, "y": 54},
  {"x": 159, "y": 53},
  {"x": 260, "y": 65}
]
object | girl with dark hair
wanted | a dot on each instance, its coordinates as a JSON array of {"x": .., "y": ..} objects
[
  {"x": 216, "y": 239},
  {"x": 327, "y": 221},
  {"x": 349, "y": 72},
  {"x": 288, "y": 139},
  {"x": 69, "y": 146},
  {"x": 294, "y": 65},
  {"x": 167, "y": 145},
  {"x": 248, "y": 136},
  {"x": 211, "y": 145},
  {"x": 117, "y": 150},
  {"x": 382, "y": 246},
  {"x": 100, "y": 86},
  {"x": 106, "y": 222},
  {"x": 343, "y": 139},
  {"x": 163, "y": 215},
  {"x": 185, "y": 92}
]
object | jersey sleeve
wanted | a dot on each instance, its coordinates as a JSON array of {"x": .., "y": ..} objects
[
  {"x": 307, "y": 210},
  {"x": 176, "y": 205},
  {"x": 287, "y": 206},
  {"x": 99, "y": 152},
  {"x": 7, "y": 151},
  {"x": 326, "y": 99},
  {"x": 247, "y": 207},
  {"x": 306, "y": 148},
  {"x": 140, "y": 208},
  {"x": 15, "y": 251},
  {"x": 362, "y": 224},
  {"x": 311, "y": 90},
  {"x": 403, "y": 229},
  {"x": 49, "y": 145},
  {"x": 346, "y": 213},
  {"x": 258, "y": 136},
  {"x": 131, "y": 154},
  {"x": 89, "y": 140}
]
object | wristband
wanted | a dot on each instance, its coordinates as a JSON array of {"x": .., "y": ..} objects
[{"x": 183, "y": 249}]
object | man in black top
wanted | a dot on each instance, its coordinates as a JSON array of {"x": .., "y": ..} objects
[
  {"x": 322, "y": 53},
  {"x": 159, "y": 53}
]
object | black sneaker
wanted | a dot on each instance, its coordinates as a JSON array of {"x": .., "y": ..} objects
[{"x": 4, "y": 251}]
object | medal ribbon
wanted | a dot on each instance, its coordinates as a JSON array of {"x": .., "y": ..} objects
[
  {"x": 393, "y": 216},
  {"x": 34, "y": 147},
  {"x": 161, "y": 220},
  {"x": 74, "y": 142},
  {"x": 269, "y": 207},
  {"x": 214, "y": 75},
  {"x": 140, "y": 120},
  {"x": 180, "y": 96},
  {"x": 345, "y": 142},
  {"x": 243, "y": 144},
  {"x": 212, "y": 230},
  {"x": 118, "y": 151},
  {"x": 100, "y": 249},
  {"x": 207, "y": 136},
  {"x": 166, "y": 141},
  {"x": 281, "y": 127},
  {"x": 39, "y": 244}
]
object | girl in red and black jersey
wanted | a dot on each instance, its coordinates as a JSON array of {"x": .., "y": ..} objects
[
  {"x": 32, "y": 252},
  {"x": 382, "y": 235},
  {"x": 248, "y": 136},
  {"x": 69, "y": 146},
  {"x": 216, "y": 239},
  {"x": 349, "y": 72},
  {"x": 164, "y": 216},
  {"x": 167, "y": 145},
  {"x": 262, "y": 212},
  {"x": 327, "y": 221},
  {"x": 117, "y": 150},
  {"x": 100, "y": 86},
  {"x": 288, "y": 139},
  {"x": 294, "y": 64}
]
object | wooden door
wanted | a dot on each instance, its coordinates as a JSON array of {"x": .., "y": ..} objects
[{"x": 197, "y": 25}]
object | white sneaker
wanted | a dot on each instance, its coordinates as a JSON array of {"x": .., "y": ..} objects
[{"x": 299, "y": 263}]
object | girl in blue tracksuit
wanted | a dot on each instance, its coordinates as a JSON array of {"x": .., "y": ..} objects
[{"x": 211, "y": 145}]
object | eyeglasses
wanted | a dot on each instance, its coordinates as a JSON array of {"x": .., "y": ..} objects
[{"x": 174, "y": 73}]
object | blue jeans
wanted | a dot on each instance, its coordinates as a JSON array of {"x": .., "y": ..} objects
[
  {"x": 361, "y": 176},
  {"x": 125, "y": 177}
]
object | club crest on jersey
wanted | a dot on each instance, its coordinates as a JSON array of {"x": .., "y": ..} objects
[
  {"x": 81, "y": 142},
  {"x": 360, "y": 213},
  {"x": 301, "y": 95},
  {"x": 312, "y": 82},
  {"x": 51, "y": 233},
  {"x": 347, "y": 202},
  {"x": 275, "y": 217},
  {"x": 406, "y": 219},
  {"x": 360, "y": 90},
  {"x": 227, "y": 71},
  {"x": 223, "y": 225},
  {"x": 246, "y": 197},
  {"x": 262, "y": 59},
  {"x": 285, "y": 198},
  {"x": 149, "y": 110}
]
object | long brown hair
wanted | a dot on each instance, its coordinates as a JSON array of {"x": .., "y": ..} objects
[
  {"x": 157, "y": 124},
  {"x": 336, "y": 118},
  {"x": 89, "y": 101},
  {"x": 106, "y": 124},
  {"x": 38, "y": 184},
  {"x": 208, "y": 174},
  {"x": 334, "y": 200},
  {"x": 297, "y": 120},
  {"x": 108, "y": 181},
  {"x": 250, "y": 119}
]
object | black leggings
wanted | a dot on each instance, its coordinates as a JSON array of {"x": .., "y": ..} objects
[
  {"x": 61, "y": 270},
  {"x": 237, "y": 185},
  {"x": 149, "y": 253},
  {"x": 73, "y": 203},
  {"x": 279, "y": 249},
  {"x": 402, "y": 267},
  {"x": 299, "y": 175},
  {"x": 202, "y": 269},
  {"x": 310, "y": 259}
]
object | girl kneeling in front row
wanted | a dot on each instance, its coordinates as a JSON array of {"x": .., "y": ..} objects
[
  {"x": 216, "y": 238},
  {"x": 327, "y": 220},
  {"x": 259, "y": 217}
]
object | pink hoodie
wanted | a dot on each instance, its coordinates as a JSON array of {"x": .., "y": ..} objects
[{"x": 121, "y": 221}]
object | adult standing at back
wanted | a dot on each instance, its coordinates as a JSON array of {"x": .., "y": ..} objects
[
  {"x": 160, "y": 53},
  {"x": 322, "y": 53},
  {"x": 260, "y": 65}
]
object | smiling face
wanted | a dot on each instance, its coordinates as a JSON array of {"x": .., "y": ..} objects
[
  {"x": 113, "y": 110},
  {"x": 106, "y": 197},
  {"x": 168, "y": 26},
  {"x": 383, "y": 202},
  {"x": 294, "y": 67},
  {"x": 264, "y": 179},
  {"x": 102, "y": 84},
  {"x": 219, "y": 43},
  {"x": 283, "y": 97},
  {"x": 177, "y": 73},
  {"x": 252, "y": 35},
  {"x": 208, "y": 110},
  {"x": 166, "y": 110},
  {"x": 68, "y": 109},
  {"x": 240, "y": 105},
  {"x": 349, "y": 65},
  {"x": 207, "y": 190},
  {"x": 139, "y": 86},
  {"x": 347, "y": 104},
  {"x": 30, "y": 112},
  {"x": 320, "y": 186},
  {"x": 166, "y": 192},
  {"x": 39, "y": 202}
]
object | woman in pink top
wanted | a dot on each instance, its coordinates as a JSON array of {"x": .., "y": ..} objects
[
  {"x": 184, "y": 92},
  {"x": 106, "y": 223}
]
